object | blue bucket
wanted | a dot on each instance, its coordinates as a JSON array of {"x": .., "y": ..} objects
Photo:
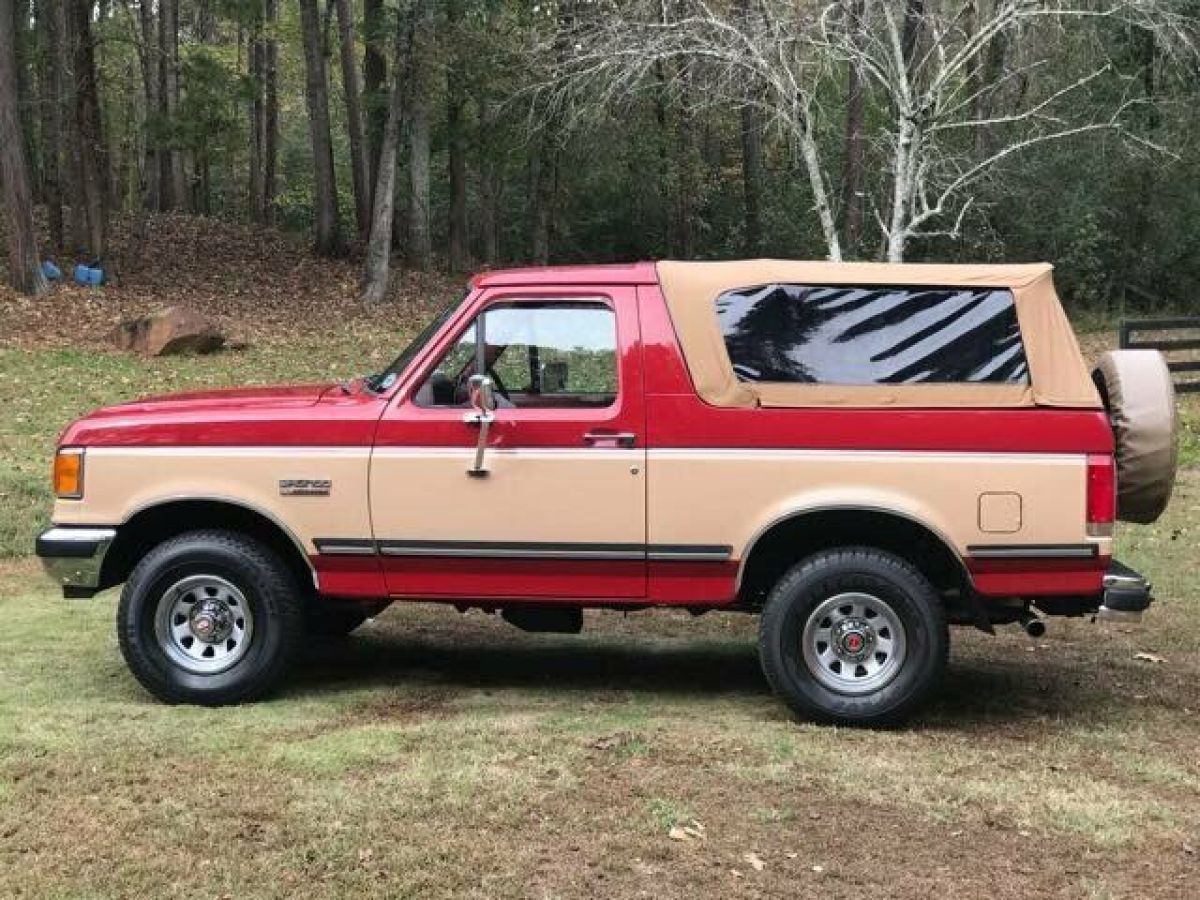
[{"x": 88, "y": 276}]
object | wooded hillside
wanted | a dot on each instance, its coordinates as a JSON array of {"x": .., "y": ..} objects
[{"x": 458, "y": 134}]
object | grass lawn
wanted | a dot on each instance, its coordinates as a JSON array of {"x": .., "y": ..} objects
[{"x": 437, "y": 755}]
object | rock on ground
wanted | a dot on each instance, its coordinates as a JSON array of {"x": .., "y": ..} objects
[{"x": 169, "y": 331}]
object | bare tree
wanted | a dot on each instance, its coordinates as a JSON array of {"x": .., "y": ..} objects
[
  {"x": 924, "y": 60},
  {"x": 760, "y": 56},
  {"x": 937, "y": 64},
  {"x": 24, "y": 269}
]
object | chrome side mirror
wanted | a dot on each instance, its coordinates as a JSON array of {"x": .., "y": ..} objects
[
  {"x": 483, "y": 400},
  {"x": 482, "y": 393}
]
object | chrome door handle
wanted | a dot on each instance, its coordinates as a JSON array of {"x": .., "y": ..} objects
[{"x": 610, "y": 439}]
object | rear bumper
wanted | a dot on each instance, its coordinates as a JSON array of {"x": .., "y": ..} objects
[
  {"x": 74, "y": 556},
  {"x": 1127, "y": 594}
]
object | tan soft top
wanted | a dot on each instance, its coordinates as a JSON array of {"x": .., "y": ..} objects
[{"x": 1058, "y": 374}]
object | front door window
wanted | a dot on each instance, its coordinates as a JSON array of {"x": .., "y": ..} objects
[{"x": 551, "y": 355}]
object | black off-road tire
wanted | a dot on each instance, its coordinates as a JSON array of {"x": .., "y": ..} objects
[
  {"x": 267, "y": 587},
  {"x": 910, "y": 600}
]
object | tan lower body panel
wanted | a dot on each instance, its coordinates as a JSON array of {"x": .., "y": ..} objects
[
  {"x": 692, "y": 505},
  {"x": 119, "y": 482},
  {"x": 541, "y": 523},
  {"x": 731, "y": 496}
]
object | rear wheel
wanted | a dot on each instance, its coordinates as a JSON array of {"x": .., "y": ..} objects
[
  {"x": 209, "y": 617},
  {"x": 854, "y": 636}
]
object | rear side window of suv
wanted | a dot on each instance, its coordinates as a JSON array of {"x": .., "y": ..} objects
[{"x": 872, "y": 335}]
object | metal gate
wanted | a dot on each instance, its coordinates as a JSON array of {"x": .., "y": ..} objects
[{"x": 1183, "y": 343}]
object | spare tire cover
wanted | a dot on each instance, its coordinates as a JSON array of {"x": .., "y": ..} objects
[{"x": 1140, "y": 398}]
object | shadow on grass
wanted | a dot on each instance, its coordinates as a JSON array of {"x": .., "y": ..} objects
[
  {"x": 706, "y": 667},
  {"x": 977, "y": 689}
]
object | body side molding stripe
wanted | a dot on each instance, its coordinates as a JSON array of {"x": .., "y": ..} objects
[
  {"x": 1032, "y": 551},
  {"x": 525, "y": 550},
  {"x": 344, "y": 546}
]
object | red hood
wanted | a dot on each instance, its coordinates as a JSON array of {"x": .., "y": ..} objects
[
  {"x": 316, "y": 414},
  {"x": 274, "y": 396}
]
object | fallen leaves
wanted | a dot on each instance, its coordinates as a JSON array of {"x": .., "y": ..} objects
[{"x": 257, "y": 283}]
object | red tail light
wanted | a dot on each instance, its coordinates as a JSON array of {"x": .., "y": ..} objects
[{"x": 1101, "y": 494}]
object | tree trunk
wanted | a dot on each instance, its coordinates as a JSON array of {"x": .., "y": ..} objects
[
  {"x": 150, "y": 61},
  {"x": 456, "y": 101},
  {"x": 685, "y": 196},
  {"x": 52, "y": 124},
  {"x": 752, "y": 178},
  {"x": 420, "y": 243},
  {"x": 90, "y": 138},
  {"x": 853, "y": 172},
  {"x": 914, "y": 25},
  {"x": 810, "y": 154},
  {"x": 24, "y": 268},
  {"x": 379, "y": 244},
  {"x": 206, "y": 22},
  {"x": 991, "y": 72},
  {"x": 24, "y": 39},
  {"x": 270, "y": 116},
  {"x": 173, "y": 180},
  {"x": 360, "y": 168},
  {"x": 902, "y": 190},
  {"x": 544, "y": 178},
  {"x": 752, "y": 164},
  {"x": 256, "y": 63},
  {"x": 325, "y": 213},
  {"x": 64, "y": 61},
  {"x": 375, "y": 97},
  {"x": 490, "y": 190}
]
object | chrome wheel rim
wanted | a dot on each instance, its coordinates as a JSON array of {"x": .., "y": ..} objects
[
  {"x": 204, "y": 624},
  {"x": 854, "y": 643}
]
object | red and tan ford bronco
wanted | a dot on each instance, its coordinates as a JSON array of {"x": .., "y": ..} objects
[{"x": 862, "y": 454}]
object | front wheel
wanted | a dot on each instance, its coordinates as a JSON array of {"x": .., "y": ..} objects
[
  {"x": 853, "y": 636},
  {"x": 210, "y": 617}
]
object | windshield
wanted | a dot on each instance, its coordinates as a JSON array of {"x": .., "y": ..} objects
[{"x": 386, "y": 378}]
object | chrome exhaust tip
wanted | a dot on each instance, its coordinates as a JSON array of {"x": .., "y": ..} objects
[{"x": 1034, "y": 627}]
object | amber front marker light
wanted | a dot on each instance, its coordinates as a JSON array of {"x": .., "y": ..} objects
[{"x": 68, "y": 473}]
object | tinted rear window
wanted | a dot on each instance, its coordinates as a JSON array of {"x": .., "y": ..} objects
[{"x": 875, "y": 335}]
